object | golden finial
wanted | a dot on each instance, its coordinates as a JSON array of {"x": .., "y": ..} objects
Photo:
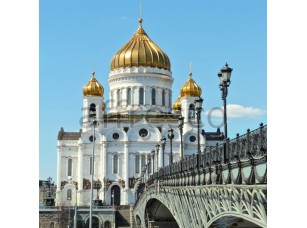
[
  {"x": 93, "y": 74},
  {"x": 190, "y": 69}
]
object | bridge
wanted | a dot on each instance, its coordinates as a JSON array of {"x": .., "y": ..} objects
[{"x": 208, "y": 190}]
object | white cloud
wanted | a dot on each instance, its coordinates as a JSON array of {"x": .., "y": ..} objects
[{"x": 236, "y": 111}]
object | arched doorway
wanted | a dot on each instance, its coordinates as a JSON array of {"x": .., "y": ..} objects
[
  {"x": 115, "y": 192},
  {"x": 95, "y": 222},
  {"x": 107, "y": 224}
]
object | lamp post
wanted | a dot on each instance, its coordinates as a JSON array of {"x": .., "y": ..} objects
[
  {"x": 104, "y": 189},
  {"x": 92, "y": 177},
  {"x": 171, "y": 136},
  {"x": 224, "y": 76},
  {"x": 163, "y": 142},
  {"x": 198, "y": 107},
  {"x": 181, "y": 122},
  {"x": 153, "y": 160},
  {"x": 148, "y": 167},
  {"x": 157, "y": 148}
]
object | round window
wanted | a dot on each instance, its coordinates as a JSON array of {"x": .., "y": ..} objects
[
  {"x": 143, "y": 132},
  {"x": 91, "y": 138},
  {"x": 115, "y": 136},
  {"x": 192, "y": 138}
]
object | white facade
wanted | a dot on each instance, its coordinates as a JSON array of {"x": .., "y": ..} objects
[{"x": 128, "y": 130}]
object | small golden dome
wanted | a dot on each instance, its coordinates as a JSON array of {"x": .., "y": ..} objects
[
  {"x": 177, "y": 104},
  {"x": 140, "y": 51},
  {"x": 190, "y": 88},
  {"x": 93, "y": 87},
  {"x": 103, "y": 106}
]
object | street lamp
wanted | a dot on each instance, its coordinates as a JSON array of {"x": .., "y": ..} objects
[
  {"x": 92, "y": 177},
  {"x": 171, "y": 136},
  {"x": 198, "y": 107},
  {"x": 148, "y": 167},
  {"x": 181, "y": 122},
  {"x": 224, "y": 76},
  {"x": 157, "y": 148},
  {"x": 163, "y": 142},
  {"x": 104, "y": 189},
  {"x": 153, "y": 160}
]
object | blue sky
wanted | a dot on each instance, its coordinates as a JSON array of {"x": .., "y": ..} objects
[{"x": 77, "y": 37}]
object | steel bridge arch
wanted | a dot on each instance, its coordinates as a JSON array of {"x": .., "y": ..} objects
[
  {"x": 143, "y": 209},
  {"x": 201, "y": 206}
]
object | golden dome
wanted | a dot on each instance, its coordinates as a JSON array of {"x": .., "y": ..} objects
[
  {"x": 93, "y": 87},
  {"x": 190, "y": 88},
  {"x": 177, "y": 104},
  {"x": 140, "y": 51}
]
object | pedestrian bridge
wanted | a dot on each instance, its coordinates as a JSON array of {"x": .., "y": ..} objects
[{"x": 207, "y": 190}]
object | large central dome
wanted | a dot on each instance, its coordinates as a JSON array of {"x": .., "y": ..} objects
[{"x": 140, "y": 51}]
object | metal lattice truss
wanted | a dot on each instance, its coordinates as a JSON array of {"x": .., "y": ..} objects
[{"x": 201, "y": 206}]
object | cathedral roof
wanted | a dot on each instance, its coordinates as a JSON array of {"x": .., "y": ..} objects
[
  {"x": 177, "y": 104},
  {"x": 190, "y": 88},
  {"x": 62, "y": 135},
  {"x": 93, "y": 87},
  {"x": 140, "y": 51}
]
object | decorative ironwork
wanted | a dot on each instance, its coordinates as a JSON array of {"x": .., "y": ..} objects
[
  {"x": 132, "y": 182},
  {"x": 122, "y": 183},
  {"x": 86, "y": 184},
  {"x": 63, "y": 183}
]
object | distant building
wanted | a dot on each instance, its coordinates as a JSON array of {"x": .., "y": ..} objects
[{"x": 44, "y": 190}]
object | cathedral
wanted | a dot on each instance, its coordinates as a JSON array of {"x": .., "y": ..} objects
[{"x": 133, "y": 132}]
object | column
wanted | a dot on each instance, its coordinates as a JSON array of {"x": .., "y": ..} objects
[
  {"x": 147, "y": 93},
  {"x": 59, "y": 171},
  {"x": 98, "y": 112},
  {"x": 159, "y": 96},
  {"x": 136, "y": 96},
  {"x": 58, "y": 191},
  {"x": 111, "y": 99},
  {"x": 124, "y": 97},
  {"x": 86, "y": 110}
]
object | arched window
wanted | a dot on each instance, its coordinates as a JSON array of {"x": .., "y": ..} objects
[
  {"x": 118, "y": 97},
  {"x": 153, "y": 96},
  {"x": 169, "y": 98},
  {"x": 69, "y": 167},
  {"x": 191, "y": 111},
  {"x": 129, "y": 96},
  {"x": 69, "y": 194},
  {"x": 51, "y": 225},
  {"x": 163, "y": 97},
  {"x": 141, "y": 96},
  {"x": 137, "y": 164},
  {"x": 143, "y": 158},
  {"x": 112, "y": 99},
  {"x": 92, "y": 110},
  {"x": 107, "y": 224},
  {"x": 115, "y": 163}
]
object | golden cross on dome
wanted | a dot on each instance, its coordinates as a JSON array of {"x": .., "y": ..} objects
[{"x": 190, "y": 69}]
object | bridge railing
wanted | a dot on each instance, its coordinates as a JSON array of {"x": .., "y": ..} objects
[{"x": 245, "y": 150}]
